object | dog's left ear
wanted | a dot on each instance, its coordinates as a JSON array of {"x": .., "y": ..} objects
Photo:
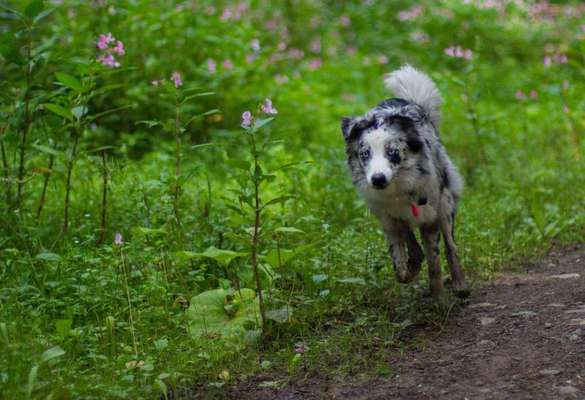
[
  {"x": 408, "y": 127},
  {"x": 347, "y": 125}
]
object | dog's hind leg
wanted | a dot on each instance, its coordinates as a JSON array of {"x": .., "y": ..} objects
[
  {"x": 415, "y": 255},
  {"x": 448, "y": 230},
  {"x": 396, "y": 235},
  {"x": 430, "y": 239}
]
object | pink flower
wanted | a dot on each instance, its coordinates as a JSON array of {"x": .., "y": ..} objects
[
  {"x": 119, "y": 48},
  {"x": 520, "y": 95},
  {"x": 118, "y": 239},
  {"x": 104, "y": 40},
  {"x": 547, "y": 61},
  {"x": 211, "y": 66},
  {"x": 177, "y": 79},
  {"x": 315, "y": 46},
  {"x": 296, "y": 53},
  {"x": 301, "y": 348},
  {"x": 344, "y": 20},
  {"x": 247, "y": 119},
  {"x": 467, "y": 54},
  {"x": 227, "y": 64},
  {"x": 267, "y": 108},
  {"x": 566, "y": 109},
  {"x": 410, "y": 14},
  {"x": 383, "y": 60},
  {"x": 226, "y": 15},
  {"x": 366, "y": 61},
  {"x": 533, "y": 94},
  {"x": 108, "y": 60},
  {"x": 255, "y": 45},
  {"x": 270, "y": 24},
  {"x": 459, "y": 52},
  {"x": 250, "y": 58},
  {"x": 281, "y": 46},
  {"x": 315, "y": 64}
]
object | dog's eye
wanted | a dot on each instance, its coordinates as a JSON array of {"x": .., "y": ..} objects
[
  {"x": 393, "y": 156},
  {"x": 364, "y": 154}
]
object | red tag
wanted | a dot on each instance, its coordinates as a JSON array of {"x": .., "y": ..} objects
[{"x": 414, "y": 210}]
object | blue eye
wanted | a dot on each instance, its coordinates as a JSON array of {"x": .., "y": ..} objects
[{"x": 393, "y": 156}]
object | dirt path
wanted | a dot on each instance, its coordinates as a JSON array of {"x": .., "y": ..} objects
[{"x": 521, "y": 337}]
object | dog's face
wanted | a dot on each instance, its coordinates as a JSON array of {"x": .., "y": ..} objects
[{"x": 381, "y": 147}]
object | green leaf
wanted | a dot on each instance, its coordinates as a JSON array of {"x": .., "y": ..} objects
[
  {"x": 352, "y": 281},
  {"x": 69, "y": 81},
  {"x": 223, "y": 257},
  {"x": 48, "y": 257},
  {"x": 288, "y": 229},
  {"x": 207, "y": 314},
  {"x": 320, "y": 278},
  {"x": 280, "y": 315},
  {"x": 57, "y": 109},
  {"x": 41, "y": 16},
  {"x": 63, "y": 327},
  {"x": 53, "y": 352},
  {"x": 277, "y": 200},
  {"x": 34, "y": 8},
  {"x": 46, "y": 149},
  {"x": 79, "y": 111},
  {"x": 150, "y": 124},
  {"x": 259, "y": 124}
]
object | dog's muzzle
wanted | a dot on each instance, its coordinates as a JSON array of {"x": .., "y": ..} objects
[{"x": 379, "y": 181}]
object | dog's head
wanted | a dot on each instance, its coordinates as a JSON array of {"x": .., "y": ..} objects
[{"x": 383, "y": 144}]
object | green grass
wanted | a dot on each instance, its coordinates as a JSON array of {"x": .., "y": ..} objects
[{"x": 66, "y": 300}]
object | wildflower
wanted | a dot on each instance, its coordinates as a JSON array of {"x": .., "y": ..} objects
[
  {"x": 267, "y": 107},
  {"x": 119, "y": 48},
  {"x": 281, "y": 46},
  {"x": 366, "y": 61},
  {"x": 296, "y": 53},
  {"x": 227, "y": 64},
  {"x": 459, "y": 52},
  {"x": 520, "y": 95},
  {"x": 255, "y": 45},
  {"x": 315, "y": 64},
  {"x": 247, "y": 119},
  {"x": 108, "y": 60},
  {"x": 344, "y": 20},
  {"x": 157, "y": 82},
  {"x": 410, "y": 14},
  {"x": 177, "y": 79},
  {"x": 118, "y": 239},
  {"x": 533, "y": 94},
  {"x": 566, "y": 109},
  {"x": 547, "y": 61},
  {"x": 281, "y": 79},
  {"x": 301, "y": 348},
  {"x": 315, "y": 46},
  {"x": 226, "y": 15},
  {"x": 383, "y": 60},
  {"x": 211, "y": 66},
  {"x": 104, "y": 40}
]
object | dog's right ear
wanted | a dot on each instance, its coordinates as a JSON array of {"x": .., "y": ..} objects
[{"x": 347, "y": 125}]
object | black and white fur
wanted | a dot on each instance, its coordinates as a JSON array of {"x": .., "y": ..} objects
[{"x": 397, "y": 161}]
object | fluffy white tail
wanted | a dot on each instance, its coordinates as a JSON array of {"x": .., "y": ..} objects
[{"x": 412, "y": 85}]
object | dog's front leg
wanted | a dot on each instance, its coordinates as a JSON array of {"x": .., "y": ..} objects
[
  {"x": 430, "y": 239},
  {"x": 395, "y": 234}
]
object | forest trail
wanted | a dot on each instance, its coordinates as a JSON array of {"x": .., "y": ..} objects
[{"x": 522, "y": 336}]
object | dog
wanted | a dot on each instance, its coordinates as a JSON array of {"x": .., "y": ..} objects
[{"x": 408, "y": 181}]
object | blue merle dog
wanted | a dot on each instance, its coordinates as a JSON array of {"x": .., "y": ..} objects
[{"x": 402, "y": 170}]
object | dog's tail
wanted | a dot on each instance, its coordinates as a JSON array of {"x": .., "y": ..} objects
[{"x": 412, "y": 85}]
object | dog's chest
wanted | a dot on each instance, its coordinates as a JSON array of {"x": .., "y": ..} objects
[{"x": 403, "y": 207}]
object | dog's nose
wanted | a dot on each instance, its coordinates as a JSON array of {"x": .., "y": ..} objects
[{"x": 379, "y": 181}]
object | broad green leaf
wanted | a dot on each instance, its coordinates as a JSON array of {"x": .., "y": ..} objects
[
  {"x": 46, "y": 149},
  {"x": 223, "y": 257},
  {"x": 34, "y": 8},
  {"x": 352, "y": 281},
  {"x": 69, "y": 81},
  {"x": 278, "y": 200},
  {"x": 48, "y": 257},
  {"x": 63, "y": 327},
  {"x": 52, "y": 353},
  {"x": 79, "y": 111},
  {"x": 207, "y": 314},
  {"x": 320, "y": 278},
  {"x": 57, "y": 109},
  {"x": 280, "y": 315},
  {"x": 259, "y": 124},
  {"x": 288, "y": 229}
]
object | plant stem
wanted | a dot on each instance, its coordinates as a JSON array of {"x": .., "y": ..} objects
[
  {"x": 104, "y": 198},
  {"x": 70, "y": 165},
  {"x": 132, "y": 330},
  {"x": 255, "y": 236},
  {"x": 27, "y": 121},
  {"x": 45, "y": 185},
  {"x": 5, "y": 166},
  {"x": 177, "y": 188}
]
